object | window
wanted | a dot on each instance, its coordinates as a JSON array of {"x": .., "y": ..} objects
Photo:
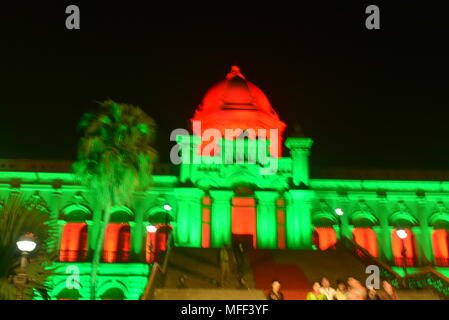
[
  {"x": 367, "y": 239},
  {"x": 440, "y": 247},
  {"x": 157, "y": 243},
  {"x": 73, "y": 242},
  {"x": 117, "y": 243},
  {"x": 324, "y": 238},
  {"x": 399, "y": 245}
]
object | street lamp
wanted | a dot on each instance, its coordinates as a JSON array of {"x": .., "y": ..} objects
[
  {"x": 402, "y": 234},
  {"x": 26, "y": 244},
  {"x": 339, "y": 212}
]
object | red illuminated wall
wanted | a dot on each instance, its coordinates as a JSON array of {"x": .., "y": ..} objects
[
  {"x": 205, "y": 232},
  {"x": 156, "y": 243},
  {"x": 324, "y": 238},
  {"x": 280, "y": 212},
  {"x": 73, "y": 242},
  {"x": 244, "y": 217},
  {"x": 117, "y": 243},
  {"x": 397, "y": 246},
  {"x": 440, "y": 247},
  {"x": 367, "y": 239}
]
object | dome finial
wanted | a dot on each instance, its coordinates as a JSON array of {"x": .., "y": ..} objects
[{"x": 235, "y": 72}]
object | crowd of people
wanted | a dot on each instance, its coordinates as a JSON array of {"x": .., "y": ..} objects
[{"x": 351, "y": 289}]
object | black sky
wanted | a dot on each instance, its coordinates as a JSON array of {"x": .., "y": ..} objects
[{"x": 368, "y": 98}]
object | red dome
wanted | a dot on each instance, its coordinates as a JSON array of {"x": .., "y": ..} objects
[
  {"x": 235, "y": 93},
  {"x": 236, "y": 103}
]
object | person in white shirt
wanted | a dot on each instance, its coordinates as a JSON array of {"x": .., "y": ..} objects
[{"x": 326, "y": 289}]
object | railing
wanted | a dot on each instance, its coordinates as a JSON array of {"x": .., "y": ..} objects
[
  {"x": 386, "y": 272},
  {"x": 442, "y": 262},
  {"x": 427, "y": 277},
  {"x": 157, "y": 275},
  {"x": 409, "y": 262}
]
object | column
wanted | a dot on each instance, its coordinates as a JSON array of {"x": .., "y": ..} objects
[
  {"x": 188, "y": 217},
  {"x": 221, "y": 215},
  {"x": 195, "y": 217},
  {"x": 189, "y": 155},
  {"x": 423, "y": 233},
  {"x": 346, "y": 229},
  {"x": 300, "y": 151},
  {"x": 55, "y": 205},
  {"x": 181, "y": 232},
  {"x": 384, "y": 231},
  {"x": 266, "y": 219},
  {"x": 298, "y": 219},
  {"x": 138, "y": 231}
]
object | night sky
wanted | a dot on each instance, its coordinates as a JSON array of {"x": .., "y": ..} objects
[{"x": 374, "y": 99}]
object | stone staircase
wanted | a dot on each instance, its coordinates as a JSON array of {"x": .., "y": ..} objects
[
  {"x": 194, "y": 273},
  {"x": 199, "y": 268},
  {"x": 208, "y": 294}
]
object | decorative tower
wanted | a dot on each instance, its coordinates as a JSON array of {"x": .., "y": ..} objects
[{"x": 299, "y": 150}]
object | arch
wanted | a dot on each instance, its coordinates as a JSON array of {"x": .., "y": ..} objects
[
  {"x": 322, "y": 218},
  {"x": 61, "y": 292},
  {"x": 113, "y": 290},
  {"x": 121, "y": 214},
  {"x": 402, "y": 219},
  {"x": 439, "y": 220},
  {"x": 158, "y": 210},
  {"x": 76, "y": 212},
  {"x": 363, "y": 219}
]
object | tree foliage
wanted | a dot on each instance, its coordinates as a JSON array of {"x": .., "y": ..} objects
[
  {"x": 115, "y": 159},
  {"x": 16, "y": 219}
]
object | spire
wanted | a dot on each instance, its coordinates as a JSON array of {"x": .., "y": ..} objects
[{"x": 235, "y": 72}]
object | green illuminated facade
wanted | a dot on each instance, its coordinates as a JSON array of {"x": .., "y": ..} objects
[{"x": 213, "y": 204}]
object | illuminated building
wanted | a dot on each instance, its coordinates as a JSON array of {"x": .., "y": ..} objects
[{"x": 212, "y": 203}]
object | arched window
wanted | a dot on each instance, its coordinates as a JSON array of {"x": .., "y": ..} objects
[
  {"x": 117, "y": 243},
  {"x": 73, "y": 245},
  {"x": 398, "y": 246},
  {"x": 324, "y": 238},
  {"x": 113, "y": 294},
  {"x": 440, "y": 244},
  {"x": 157, "y": 243},
  {"x": 367, "y": 239},
  {"x": 68, "y": 294}
]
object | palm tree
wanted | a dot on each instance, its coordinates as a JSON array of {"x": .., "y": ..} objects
[
  {"x": 16, "y": 219},
  {"x": 115, "y": 159}
]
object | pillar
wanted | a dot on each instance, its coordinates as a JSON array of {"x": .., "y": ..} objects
[
  {"x": 266, "y": 219},
  {"x": 384, "y": 231},
  {"x": 300, "y": 151},
  {"x": 188, "y": 217},
  {"x": 189, "y": 155},
  {"x": 221, "y": 215},
  {"x": 138, "y": 231},
  {"x": 346, "y": 229},
  {"x": 298, "y": 219},
  {"x": 423, "y": 234},
  {"x": 195, "y": 217},
  {"x": 55, "y": 205}
]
